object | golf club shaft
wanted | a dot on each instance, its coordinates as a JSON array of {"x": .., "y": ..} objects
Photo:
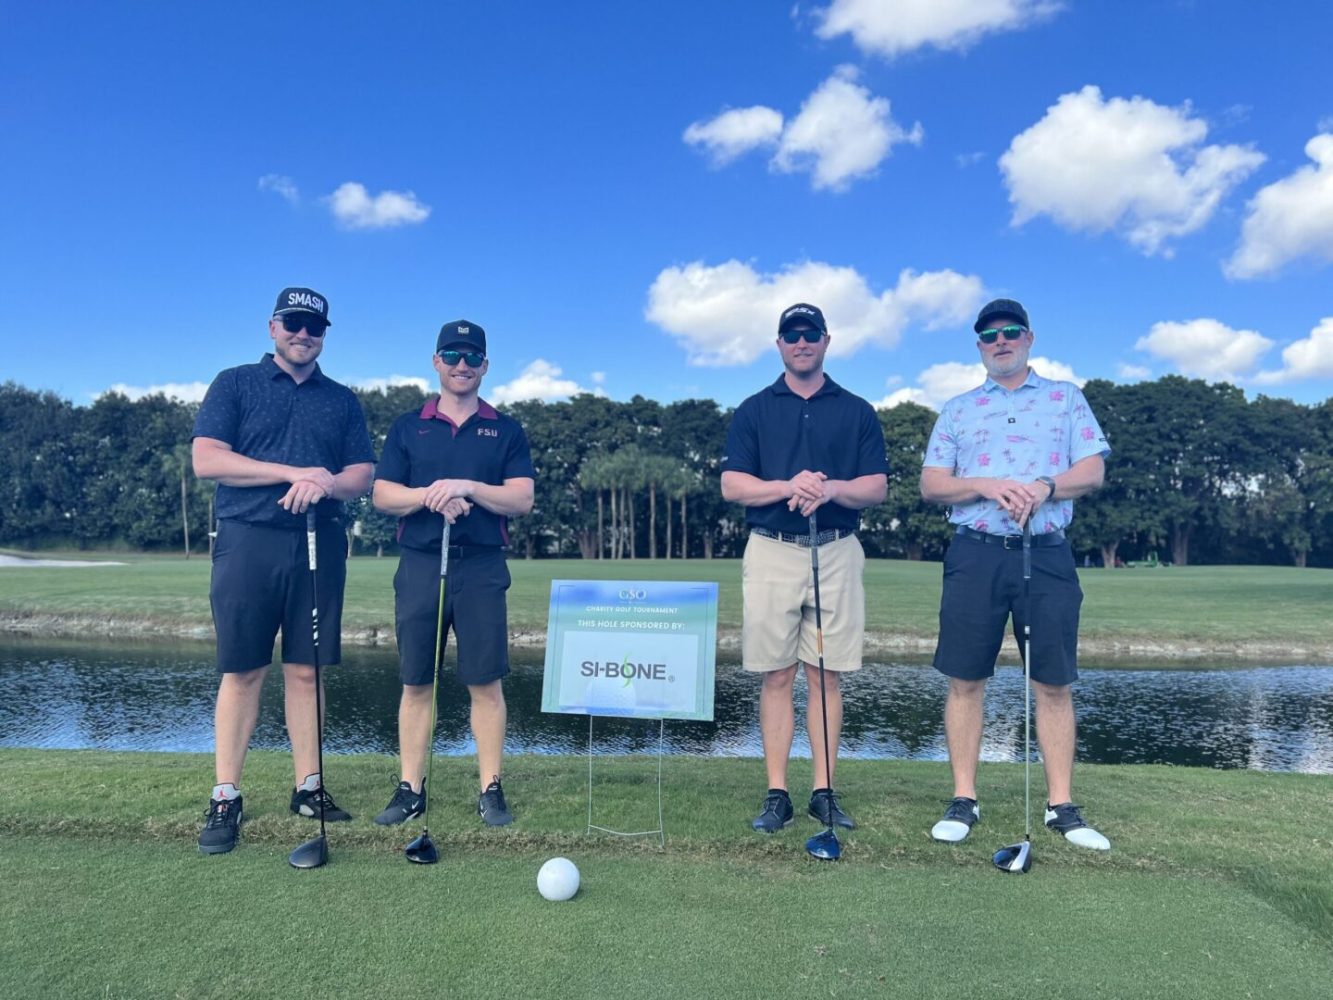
[
  {"x": 435, "y": 683},
  {"x": 312, "y": 546},
  {"x": 819, "y": 648},
  {"x": 1027, "y": 679}
]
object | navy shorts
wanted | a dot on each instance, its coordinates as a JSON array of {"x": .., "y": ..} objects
[
  {"x": 983, "y": 587},
  {"x": 474, "y": 607},
  {"x": 261, "y": 583}
]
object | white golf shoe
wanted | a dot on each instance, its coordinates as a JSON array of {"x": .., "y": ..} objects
[
  {"x": 1065, "y": 818},
  {"x": 957, "y": 821}
]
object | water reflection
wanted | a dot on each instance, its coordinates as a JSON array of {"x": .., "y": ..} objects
[{"x": 150, "y": 697}]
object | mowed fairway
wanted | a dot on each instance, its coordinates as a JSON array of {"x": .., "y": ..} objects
[
  {"x": 1213, "y": 889},
  {"x": 1267, "y": 612}
]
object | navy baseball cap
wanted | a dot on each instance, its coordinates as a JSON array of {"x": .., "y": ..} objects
[
  {"x": 462, "y": 334},
  {"x": 302, "y": 300},
  {"x": 1001, "y": 307},
  {"x": 802, "y": 315}
]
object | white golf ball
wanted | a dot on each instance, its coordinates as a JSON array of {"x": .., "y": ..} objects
[{"x": 558, "y": 880}]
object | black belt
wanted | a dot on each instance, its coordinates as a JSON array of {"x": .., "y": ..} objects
[
  {"x": 463, "y": 551},
  {"x": 1011, "y": 541},
  {"x": 823, "y": 538}
]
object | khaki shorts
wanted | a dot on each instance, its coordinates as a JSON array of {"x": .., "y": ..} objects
[{"x": 780, "y": 604}]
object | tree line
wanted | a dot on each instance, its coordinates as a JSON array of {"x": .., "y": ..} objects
[{"x": 1198, "y": 474}]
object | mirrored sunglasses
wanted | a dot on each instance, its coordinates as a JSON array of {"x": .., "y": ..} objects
[
  {"x": 474, "y": 359},
  {"x": 1010, "y": 333}
]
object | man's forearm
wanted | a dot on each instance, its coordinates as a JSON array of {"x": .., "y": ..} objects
[
  {"x": 859, "y": 493},
  {"x": 353, "y": 481},
  {"x": 751, "y": 491}
]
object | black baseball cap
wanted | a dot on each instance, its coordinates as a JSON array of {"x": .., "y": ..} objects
[
  {"x": 461, "y": 333},
  {"x": 1001, "y": 307},
  {"x": 302, "y": 300},
  {"x": 802, "y": 315}
]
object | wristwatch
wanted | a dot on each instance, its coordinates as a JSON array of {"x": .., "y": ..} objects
[{"x": 1050, "y": 484}]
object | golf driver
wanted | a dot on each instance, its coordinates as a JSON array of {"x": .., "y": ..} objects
[
  {"x": 1017, "y": 858},
  {"x": 314, "y": 853},
  {"x": 823, "y": 845},
  {"x": 422, "y": 850}
]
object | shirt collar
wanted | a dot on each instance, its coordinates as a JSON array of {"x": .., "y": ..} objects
[
  {"x": 272, "y": 370},
  {"x": 431, "y": 411},
  {"x": 781, "y": 388},
  {"x": 1033, "y": 380}
]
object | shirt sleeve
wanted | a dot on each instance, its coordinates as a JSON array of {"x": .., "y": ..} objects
[
  {"x": 219, "y": 415},
  {"x": 742, "y": 449},
  {"x": 873, "y": 457},
  {"x": 942, "y": 448},
  {"x": 394, "y": 465},
  {"x": 357, "y": 447},
  {"x": 1085, "y": 434},
  {"x": 518, "y": 462}
]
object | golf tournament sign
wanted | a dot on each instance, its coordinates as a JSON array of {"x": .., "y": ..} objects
[{"x": 639, "y": 649}]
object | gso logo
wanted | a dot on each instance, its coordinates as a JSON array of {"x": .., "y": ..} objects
[{"x": 633, "y": 595}]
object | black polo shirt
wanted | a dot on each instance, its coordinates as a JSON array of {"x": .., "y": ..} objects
[
  {"x": 775, "y": 434},
  {"x": 263, "y": 414},
  {"x": 422, "y": 447}
]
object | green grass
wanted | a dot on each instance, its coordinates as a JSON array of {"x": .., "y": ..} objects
[
  {"x": 1259, "y": 612},
  {"x": 1211, "y": 890}
]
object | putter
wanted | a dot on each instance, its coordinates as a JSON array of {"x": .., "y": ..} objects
[
  {"x": 1016, "y": 859},
  {"x": 314, "y": 853},
  {"x": 422, "y": 850},
  {"x": 823, "y": 845}
]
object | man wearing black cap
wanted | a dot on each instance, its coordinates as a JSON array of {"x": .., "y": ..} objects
[
  {"x": 459, "y": 460},
  {"x": 279, "y": 437},
  {"x": 802, "y": 445},
  {"x": 1016, "y": 450}
]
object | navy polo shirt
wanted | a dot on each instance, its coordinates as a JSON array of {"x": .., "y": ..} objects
[
  {"x": 263, "y": 414},
  {"x": 775, "y": 434},
  {"x": 422, "y": 447}
]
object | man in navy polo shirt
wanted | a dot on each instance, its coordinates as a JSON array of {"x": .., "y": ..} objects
[
  {"x": 279, "y": 437},
  {"x": 803, "y": 444},
  {"x": 1019, "y": 448},
  {"x": 460, "y": 460}
]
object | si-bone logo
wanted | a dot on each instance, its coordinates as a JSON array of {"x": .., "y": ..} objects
[
  {"x": 627, "y": 669},
  {"x": 305, "y": 300}
]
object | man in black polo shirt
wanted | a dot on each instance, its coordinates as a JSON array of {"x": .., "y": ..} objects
[
  {"x": 460, "y": 460},
  {"x": 803, "y": 444},
  {"x": 279, "y": 437}
]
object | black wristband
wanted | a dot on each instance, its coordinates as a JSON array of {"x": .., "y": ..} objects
[{"x": 1050, "y": 483}]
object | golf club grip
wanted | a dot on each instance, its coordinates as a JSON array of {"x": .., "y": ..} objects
[
  {"x": 814, "y": 574},
  {"x": 444, "y": 547},
  {"x": 1027, "y": 548},
  {"x": 310, "y": 538}
]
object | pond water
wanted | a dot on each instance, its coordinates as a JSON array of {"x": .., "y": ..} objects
[{"x": 152, "y": 697}]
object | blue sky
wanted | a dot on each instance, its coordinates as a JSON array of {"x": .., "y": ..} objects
[{"x": 625, "y": 195}]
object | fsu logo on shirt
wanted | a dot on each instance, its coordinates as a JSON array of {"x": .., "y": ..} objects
[{"x": 489, "y": 432}]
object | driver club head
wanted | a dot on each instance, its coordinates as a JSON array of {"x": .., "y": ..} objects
[
  {"x": 824, "y": 846},
  {"x": 422, "y": 850},
  {"x": 1016, "y": 859},
  {"x": 311, "y": 854}
]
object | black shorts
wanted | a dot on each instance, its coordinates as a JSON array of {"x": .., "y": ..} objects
[
  {"x": 261, "y": 583},
  {"x": 474, "y": 607},
  {"x": 983, "y": 586}
]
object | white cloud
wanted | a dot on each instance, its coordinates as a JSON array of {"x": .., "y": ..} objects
[
  {"x": 890, "y": 29},
  {"x": 965, "y": 160},
  {"x": 1290, "y": 218},
  {"x": 354, "y": 208},
  {"x": 281, "y": 185},
  {"x": 388, "y": 382},
  {"x": 540, "y": 380},
  {"x": 842, "y": 133},
  {"x": 1129, "y": 166},
  {"x": 1133, "y": 373},
  {"x": 1308, "y": 358},
  {"x": 598, "y": 378},
  {"x": 727, "y": 315},
  {"x": 186, "y": 392},
  {"x": 735, "y": 132},
  {"x": 940, "y": 383},
  {"x": 1206, "y": 348}
]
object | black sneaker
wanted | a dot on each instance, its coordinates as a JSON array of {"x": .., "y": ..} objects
[
  {"x": 777, "y": 813},
  {"x": 222, "y": 826},
  {"x": 491, "y": 805},
  {"x": 957, "y": 821},
  {"x": 1065, "y": 818},
  {"x": 404, "y": 805},
  {"x": 307, "y": 804},
  {"x": 825, "y": 808}
]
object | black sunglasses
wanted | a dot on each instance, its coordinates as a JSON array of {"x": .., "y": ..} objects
[
  {"x": 1010, "y": 333},
  {"x": 313, "y": 325},
  {"x": 795, "y": 336},
  {"x": 474, "y": 359}
]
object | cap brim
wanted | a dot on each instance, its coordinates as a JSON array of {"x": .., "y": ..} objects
[{"x": 308, "y": 312}]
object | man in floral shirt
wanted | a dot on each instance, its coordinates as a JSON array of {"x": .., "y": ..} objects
[{"x": 1018, "y": 448}]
